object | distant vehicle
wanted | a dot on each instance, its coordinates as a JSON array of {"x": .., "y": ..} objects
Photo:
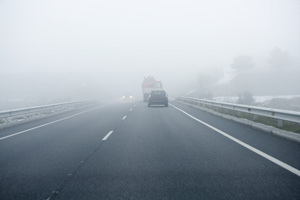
[
  {"x": 158, "y": 97},
  {"x": 127, "y": 97},
  {"x": 148, "y": 85}
]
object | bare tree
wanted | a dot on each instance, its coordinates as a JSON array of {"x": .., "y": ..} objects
[
  {"x": 246, "y": 98},
  {"x": 204, "y": 86},
  {"x": 241, "y": 64}
]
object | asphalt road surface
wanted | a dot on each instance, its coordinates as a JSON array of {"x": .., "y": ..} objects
[{"x": 131, "y": 151}]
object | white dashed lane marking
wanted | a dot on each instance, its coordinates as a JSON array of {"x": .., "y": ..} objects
[{"x": 107, "y": 135}]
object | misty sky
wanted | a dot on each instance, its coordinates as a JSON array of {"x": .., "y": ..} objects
[{"x": 89, "y": 46}]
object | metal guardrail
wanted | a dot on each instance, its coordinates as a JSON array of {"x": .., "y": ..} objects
[
  {"x": 10, "y": 117},
  {"x": 280, "y": 115}
]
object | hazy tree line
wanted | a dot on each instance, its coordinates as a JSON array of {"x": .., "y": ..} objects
[{"x": 278, "y": 74}]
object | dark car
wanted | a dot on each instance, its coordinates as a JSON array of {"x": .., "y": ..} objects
[{"x": 158, "y": 97}]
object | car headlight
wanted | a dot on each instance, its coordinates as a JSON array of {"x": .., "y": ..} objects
[{"x": 131, "y": 97}]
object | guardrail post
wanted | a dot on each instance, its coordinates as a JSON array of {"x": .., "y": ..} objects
[
  {"x": 279, "y": 123},
  {"x": 4, "y": 120},
  {"x": 254, "y": 117}
]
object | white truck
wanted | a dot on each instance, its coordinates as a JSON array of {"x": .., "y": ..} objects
[{"x": 148, "y": 85}]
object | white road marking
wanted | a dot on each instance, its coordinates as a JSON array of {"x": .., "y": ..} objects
[
  {"x": 124, "y": 117},
  {"x": 36, "y": 127},
  {"x": 131, "y": 109},
  {"x": 107, "y": 135},
  {"x": 270, "y": 158}
]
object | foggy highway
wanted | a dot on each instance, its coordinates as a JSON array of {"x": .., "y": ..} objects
[
  {"x": 131, "y": 151},
  {"x": 76, "y": 79}
]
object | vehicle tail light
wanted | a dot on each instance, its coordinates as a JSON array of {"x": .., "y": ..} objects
[
  {"x": 149, "y": 96},
  {"x": 166, "y": 96}
]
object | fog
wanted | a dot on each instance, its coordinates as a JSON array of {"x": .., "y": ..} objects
[{"x": 54, "y": 51}]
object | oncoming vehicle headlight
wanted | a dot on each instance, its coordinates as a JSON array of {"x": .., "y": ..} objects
[
  {"x": 123, "y": 97},
  {"x": 131, "y": 97}
]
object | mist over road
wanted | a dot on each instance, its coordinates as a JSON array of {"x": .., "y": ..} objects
[{"x": 131, "y": 151}]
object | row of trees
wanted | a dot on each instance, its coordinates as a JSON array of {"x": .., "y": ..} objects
[
  {"x": 245, "y": 80},
  {"x": 278, "y": 59}
]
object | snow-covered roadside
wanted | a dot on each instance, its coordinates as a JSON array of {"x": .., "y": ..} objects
[
  {"x": 285, "y": 102},
  {"x": 263, "y": 99},
  {"x": 257, "y": 99}
]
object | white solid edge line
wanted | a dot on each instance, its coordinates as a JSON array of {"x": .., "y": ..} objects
[
  {"x": 270, "y": 158},
  {"x": 36, "y": 127},
  {"x": 107, "y": 135},
  {"x": 124, "y": 117}
]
